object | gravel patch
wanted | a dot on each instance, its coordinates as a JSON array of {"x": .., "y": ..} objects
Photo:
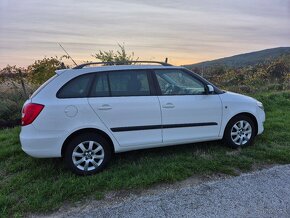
[{"x": 264, "y": 193}]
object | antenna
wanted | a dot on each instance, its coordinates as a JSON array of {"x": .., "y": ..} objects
[{"x": 67, "y": 54}]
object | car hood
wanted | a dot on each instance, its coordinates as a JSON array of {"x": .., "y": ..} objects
[{"x": 237, "y": 97}]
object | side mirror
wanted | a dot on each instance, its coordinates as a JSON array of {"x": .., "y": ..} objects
[{"x": 210, "y": 89}]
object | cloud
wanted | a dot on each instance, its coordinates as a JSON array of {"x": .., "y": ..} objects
[{"x": 189, "y": 29}]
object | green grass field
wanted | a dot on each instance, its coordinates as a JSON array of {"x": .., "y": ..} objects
[{"x": 29, "y": 185}]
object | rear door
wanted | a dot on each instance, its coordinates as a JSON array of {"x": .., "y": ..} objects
[
  {"x": 188, "y": 113},
  {"x": 123, "y": 101}
]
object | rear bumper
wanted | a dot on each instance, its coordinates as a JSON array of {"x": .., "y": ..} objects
[{"x": 40, "y": 144}]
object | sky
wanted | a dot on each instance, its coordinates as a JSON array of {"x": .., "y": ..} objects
[{"x": 185, "y": 31}]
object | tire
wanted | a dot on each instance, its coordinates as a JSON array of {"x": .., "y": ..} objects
[
  {"x": 87, "y": 154},
  {"x": 240, "y": 132}
]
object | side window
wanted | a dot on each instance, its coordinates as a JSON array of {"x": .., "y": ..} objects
[
  {"x": 100, "y": 87},
  {"x": 178, "y": 82},
  {"x": 129, "y": 83},
  {"x": 76, "y": 88}
]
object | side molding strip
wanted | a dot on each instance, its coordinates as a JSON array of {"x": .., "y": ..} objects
[{"x": 166, "y": 126}]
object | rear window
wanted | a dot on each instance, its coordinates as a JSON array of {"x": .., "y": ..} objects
[
  {"x": 129, "y": 83},
  {"x": 121, "y": 83},
  {"x": 76, "y": 88},
  {"x": 100, "y": 87}
]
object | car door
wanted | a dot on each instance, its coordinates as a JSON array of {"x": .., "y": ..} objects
[
  {"x": 123, "y": 101},
  {"x": 188, "y": 113}
]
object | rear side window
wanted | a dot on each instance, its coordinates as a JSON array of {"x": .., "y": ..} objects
[
  {"x": 76, "y": 88},
  {"x": 129, "y": 83},
  {"x": 100, "y": 87}
]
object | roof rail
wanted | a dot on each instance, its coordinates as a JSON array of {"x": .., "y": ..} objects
[{"x": 121, "y": 63}]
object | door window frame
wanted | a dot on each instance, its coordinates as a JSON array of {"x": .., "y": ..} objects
[
  {"x": 152, "y": 88},
  {"x": 191, "y": 74}
]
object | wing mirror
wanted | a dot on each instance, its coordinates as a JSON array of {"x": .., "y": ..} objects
[{"x": 210, "y": 89}]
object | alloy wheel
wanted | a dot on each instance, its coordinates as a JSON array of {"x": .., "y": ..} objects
[
  {"x": 241, "y": 132},
  {"x": 88, "y": 155}
]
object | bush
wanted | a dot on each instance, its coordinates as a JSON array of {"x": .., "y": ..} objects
[
  {"x": 43, "y": 69},
  {"x": 10, "y": 108},
  {"x": 120, "y": 57},
  {"x": 273, "y": 75}
]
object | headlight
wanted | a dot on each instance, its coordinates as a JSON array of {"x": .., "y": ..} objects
[{"x": 260, "y": 105}]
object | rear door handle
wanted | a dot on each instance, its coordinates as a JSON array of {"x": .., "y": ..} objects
[
  {"x": 168, "y": 105},
  {"x": 105, "y": 107}
]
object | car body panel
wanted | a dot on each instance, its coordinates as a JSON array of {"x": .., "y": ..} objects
[
  {"x": 204, "y": 112},
  {"x": 60, "y": 118},
  {"x": 130, "y": 112},
  {"x": 234, "y": 104}
]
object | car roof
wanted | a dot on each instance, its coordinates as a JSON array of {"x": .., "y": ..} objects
[{"x": 116, "y": 68}]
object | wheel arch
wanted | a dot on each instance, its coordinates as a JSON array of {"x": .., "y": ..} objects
[
  {"x": 251, "y": 116},
  {"x": 86, "y": 130}
]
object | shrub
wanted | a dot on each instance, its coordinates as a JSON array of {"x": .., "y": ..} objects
[
  {"x": 10, "y": 108},
  {"x": 119, "y": 57},
  {"x": 43, "y": 69}
]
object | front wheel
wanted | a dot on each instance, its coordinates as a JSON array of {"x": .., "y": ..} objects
[
  {"x": 240, "y": 132},
  {"x": 87, "y": 154}
]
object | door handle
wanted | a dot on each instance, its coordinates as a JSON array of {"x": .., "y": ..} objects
[
  {"x": 168, "y": 105},
  {"x": 105, "y": 107}
]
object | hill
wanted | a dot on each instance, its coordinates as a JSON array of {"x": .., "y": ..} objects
[{"x": 242, "y": 60}]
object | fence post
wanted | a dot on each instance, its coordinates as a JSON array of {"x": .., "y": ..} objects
[{"x": 22, "y": 83}]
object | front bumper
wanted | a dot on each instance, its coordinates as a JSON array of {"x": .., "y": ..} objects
[{"x": 261, "y": 119}]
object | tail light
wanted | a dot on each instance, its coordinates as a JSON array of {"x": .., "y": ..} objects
[{"x": 29, "y": 113}]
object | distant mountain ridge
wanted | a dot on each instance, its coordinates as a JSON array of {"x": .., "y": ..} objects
[{"x": 242, "y": 60}]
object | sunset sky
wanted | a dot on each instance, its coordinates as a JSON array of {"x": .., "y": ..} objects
[{"x": 185, "y": 31}]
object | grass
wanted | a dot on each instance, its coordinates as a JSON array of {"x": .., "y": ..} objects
[{"x": 29, "y": 185}]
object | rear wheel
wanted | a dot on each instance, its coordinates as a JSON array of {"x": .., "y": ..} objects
[
  {"x": 87, "y": 154},
  {"x": 240, "y": 132}
]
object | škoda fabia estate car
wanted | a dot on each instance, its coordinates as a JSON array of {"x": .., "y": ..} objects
[{"x": 86, "y": 114}]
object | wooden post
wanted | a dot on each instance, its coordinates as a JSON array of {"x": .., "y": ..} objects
[{"x": 22, "y": 83}]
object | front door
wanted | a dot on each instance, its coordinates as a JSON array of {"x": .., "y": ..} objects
[{"x": 188, "y": 113}]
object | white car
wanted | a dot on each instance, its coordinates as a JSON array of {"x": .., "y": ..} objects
[{"x": 86, "y": 114}]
